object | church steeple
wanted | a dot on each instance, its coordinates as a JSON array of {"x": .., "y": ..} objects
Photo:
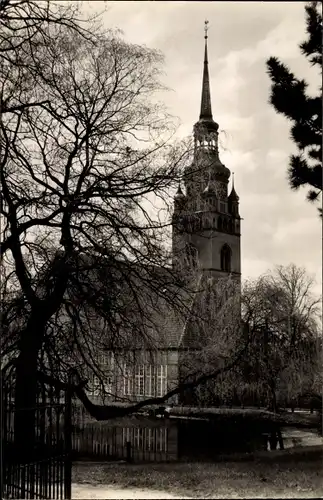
[
  {"x": 205, "y": 218},
  {"x": 206, "y": 108},
  {"x": 205, "y": 130}
]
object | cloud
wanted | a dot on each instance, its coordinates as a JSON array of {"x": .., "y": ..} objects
[{"x": 253, "y": 268}]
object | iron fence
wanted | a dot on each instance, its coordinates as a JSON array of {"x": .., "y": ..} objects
[{"x": 44, "y": 470}]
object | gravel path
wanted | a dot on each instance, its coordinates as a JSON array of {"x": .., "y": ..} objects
[{"x": 84, "y": 491}]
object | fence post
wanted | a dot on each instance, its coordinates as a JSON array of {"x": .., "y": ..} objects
[
  {"x": 4, "y": 431},
  {"x": 68, "y": 445}
]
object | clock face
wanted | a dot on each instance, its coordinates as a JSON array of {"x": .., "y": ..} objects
[{"x": 221, "y": 190}]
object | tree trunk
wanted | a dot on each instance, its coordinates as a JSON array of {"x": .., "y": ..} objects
[{"x": 26, "y": 391}]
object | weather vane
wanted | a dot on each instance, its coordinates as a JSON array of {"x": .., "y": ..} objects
[{"x": 206, "y": 27}]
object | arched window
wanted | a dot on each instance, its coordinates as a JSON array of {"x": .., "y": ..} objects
[
  {"x": 226, "y": 258},
  {"x": 191, "y": 256},
  {"x": 225, "y": 225},
  {"x": 220, "y": 225},
  {"x": 231, "y": 227}
]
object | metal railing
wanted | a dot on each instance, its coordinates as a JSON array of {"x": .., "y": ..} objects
[{"x": 44, "y": 469}]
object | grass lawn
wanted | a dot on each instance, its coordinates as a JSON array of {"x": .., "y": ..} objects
[{"x": 289, "y": 474}]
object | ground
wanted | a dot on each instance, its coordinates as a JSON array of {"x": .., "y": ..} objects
[
  {"x": 289, "y": 474},
  {"x": 104, "y": 492}
]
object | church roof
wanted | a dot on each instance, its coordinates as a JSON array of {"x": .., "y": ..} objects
[
  {"x": 168, "y": 322},
  {"x": 131, "y": 305},
  {"x": 146, "y": 308}
]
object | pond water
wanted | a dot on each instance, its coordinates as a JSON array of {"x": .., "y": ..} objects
[{"x": 296, "y": 437}]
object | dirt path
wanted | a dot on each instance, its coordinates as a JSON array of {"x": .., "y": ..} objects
[{"x": 86, "y": 491}]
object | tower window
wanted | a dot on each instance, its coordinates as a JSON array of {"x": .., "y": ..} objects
[
  {"x": 220, "y": 224},
  {"x": 226, "y": 258},
  {"x": 225, "y": 225}
]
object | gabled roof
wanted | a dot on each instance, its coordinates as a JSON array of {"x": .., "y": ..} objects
[
  {"x": 146, "y": 307},
  {"x": 165, "y": 320}
]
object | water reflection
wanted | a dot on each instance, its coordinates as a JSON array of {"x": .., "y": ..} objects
[{"x": 171, "y": 439}]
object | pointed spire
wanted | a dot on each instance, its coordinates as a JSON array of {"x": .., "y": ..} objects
[
  {"x": 206, "y": 111},
  {"x": 233, "y": 195}
]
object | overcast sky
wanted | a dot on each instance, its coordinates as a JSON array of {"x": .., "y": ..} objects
[{"x": 279, "y": 226}]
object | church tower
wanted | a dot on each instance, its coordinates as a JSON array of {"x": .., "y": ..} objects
[{"x": 206, "y": 220}]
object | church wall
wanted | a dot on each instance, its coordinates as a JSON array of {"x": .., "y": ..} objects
[
  {"x": 172, "y": 370},
  {"x": 209, "y": 248},
  {"x": 168, "y": 359}
]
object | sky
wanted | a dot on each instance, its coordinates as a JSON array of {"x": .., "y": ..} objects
[{"x": 279, "y": 226}]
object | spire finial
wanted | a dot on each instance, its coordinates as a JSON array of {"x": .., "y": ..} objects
[
  {"x": 233, "y": 180},
  {"x": 206, "y": 28}
]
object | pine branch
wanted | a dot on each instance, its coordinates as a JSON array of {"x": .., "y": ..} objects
[
  {"x": 312, "y": 48},
  {"x": 288, "y": 97}
]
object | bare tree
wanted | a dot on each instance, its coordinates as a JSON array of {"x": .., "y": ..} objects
[
  {"x": 214, "y": 333},
  {"x": 83, "y": 145},
  {"x": 283, "y": 358},
  {"x": 24, "y": 30},
  {"x": 84, "y": 152}
]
